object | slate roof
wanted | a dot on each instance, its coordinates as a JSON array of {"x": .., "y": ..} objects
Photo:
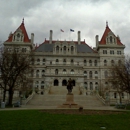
[{"x": 81, "y": 48}]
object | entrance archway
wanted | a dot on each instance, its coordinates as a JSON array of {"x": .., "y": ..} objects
[
  {"x": 64, "y": 83},
  {"x": 73, "y": 82},
  {"x": 56, "y": 82}
]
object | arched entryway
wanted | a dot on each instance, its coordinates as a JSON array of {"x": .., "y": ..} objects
[
  {"x": 64, "y": 83},
  {"x": 73, "y": 82},
  {"x": 56, "y": 82}
]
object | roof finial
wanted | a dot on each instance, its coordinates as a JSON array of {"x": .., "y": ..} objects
[
  {"x": 106, "y": 23},
  {"x": 23, "y": 21}
]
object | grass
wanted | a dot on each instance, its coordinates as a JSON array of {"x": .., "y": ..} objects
[{"x": 41, "y": 120}]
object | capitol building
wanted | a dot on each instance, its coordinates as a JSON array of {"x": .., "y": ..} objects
[{"x": 56, "y": 61}]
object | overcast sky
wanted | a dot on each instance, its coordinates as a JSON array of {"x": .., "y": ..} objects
[{"x": 87, "y": 16}]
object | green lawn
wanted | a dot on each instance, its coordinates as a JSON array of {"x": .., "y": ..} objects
[{"x": 37, "y": 120}]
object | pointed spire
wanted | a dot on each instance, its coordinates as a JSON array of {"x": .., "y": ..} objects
[
  {"x": 106, "y": 24},
  {"x": 23, "y": 21}
]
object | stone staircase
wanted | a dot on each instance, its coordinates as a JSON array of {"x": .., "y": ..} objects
[{"x": 49, "y": 101}]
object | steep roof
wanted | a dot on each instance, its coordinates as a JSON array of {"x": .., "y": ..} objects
[
  {"x": 105, "y": 34},
  {"x": 81, "y": 48},
  {"x": 23, "y": 29}
]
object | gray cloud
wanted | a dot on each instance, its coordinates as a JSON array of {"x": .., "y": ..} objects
[{"x": 88, "y": 16}]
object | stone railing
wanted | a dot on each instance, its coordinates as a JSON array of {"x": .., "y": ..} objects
[
  {"x": 101, "y": 98},
  {"x": 25, "y": 101}
]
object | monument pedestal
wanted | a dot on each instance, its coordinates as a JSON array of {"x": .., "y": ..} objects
[{"x": 69, "y": 102}]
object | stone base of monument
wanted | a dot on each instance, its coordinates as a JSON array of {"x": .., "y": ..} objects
[{"x": 69, "y": 102}]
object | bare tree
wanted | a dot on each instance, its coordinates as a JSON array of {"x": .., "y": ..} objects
[
  {"x": 120, "y": 77},
  {"x": 14, "y": 67}
]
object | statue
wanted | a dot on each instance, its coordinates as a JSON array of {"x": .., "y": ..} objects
[{"x": 70, "y": 85}]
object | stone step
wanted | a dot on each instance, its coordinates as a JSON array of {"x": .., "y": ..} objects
[
  {"x": 62, "y": 90},
  {"x": 55, "y": 100}
]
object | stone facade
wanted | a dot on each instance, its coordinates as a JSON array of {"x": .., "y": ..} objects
[{"x": 57, "y": 61}]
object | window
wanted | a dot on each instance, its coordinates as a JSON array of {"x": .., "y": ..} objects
[
  {"x": 112, "y": 52},
  {"x": 91, "y": 86},
  {"x": 64, "y": 61},
  {"x": 112, "y": 62},
  {"x": 37, "y": 84},
  {"x": 104, "y": 51},
  {"x": 96, "y": 86},
  {"x": 57, "y": 48},
  {"x": 37, "y": 73},
  {"x": 64, "y": 71},
  {"x": 119, "y": 52},
  {"x": 57, "y": 61},
  {"x": 85, "y": 85},
  {"x": 96, "y": 74},
  {"x": 56, "y": 71},
  {"x": 44, "y": 61},
  {"x": 72, "y": 71},
  {"x": 90, "y": 74},
  {"x": 111, "y": 39},
  {"x": 16, "y": 49},
  {"x": 23, "y": 49},
  {"x": 105, "y": 62},
  {"x": 72, "y": 61},
  {"x": 85, "y": 73},
  {"x": 38, "y": 61},
  {"x": 95, "y": 62},
  {"x": 43, "y": 73},
  {"x": 85, "y": 62},
  {"x": 122, "y": 95},
  {"x": 42, "y": 84},
  {"x": 90, "y": 63},
  {"x": 72, "y": 49},
  {"x": 119, "y": 63}
]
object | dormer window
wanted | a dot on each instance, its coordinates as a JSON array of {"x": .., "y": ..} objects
[
  {"x": 111, "y": 39},
  {"x": 18, "y": 36}
]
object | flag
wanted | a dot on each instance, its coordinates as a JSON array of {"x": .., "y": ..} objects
[
  {"x": 62, "y": 30},
  {"x": 71, "y": 30}
]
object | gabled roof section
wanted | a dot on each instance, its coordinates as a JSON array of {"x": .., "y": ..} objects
[
  {"x": 106, "y": 32},
  {"x": 23, "y": 29}
]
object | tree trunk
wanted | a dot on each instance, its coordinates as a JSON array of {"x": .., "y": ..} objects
[
  {"x": 4, "y": 94},
  {"x": 10, "y": 97}
]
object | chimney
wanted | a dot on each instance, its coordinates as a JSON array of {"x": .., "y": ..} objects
[
  {"x": 78, "y": 37},
  {"x": 97, "y": 41},
  {"x": 50, "y": 40},
  {"x": 32, "y": 38}
]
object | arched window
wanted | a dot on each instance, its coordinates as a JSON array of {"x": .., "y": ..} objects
[
  {"x": 85, "y": 85},
  {"x": 72, "y": 48},
  {"x": 37, "y": 73},
  {"x": 91, "y": 86},
  {"x": 64, "y": 61},
  {"x": 95, "y": 62},
  {"x": 111, "y": 39},
  {"x": 90, "y": 74},
  {"x": 105, "y": 62},
  {"x": 37, "y": 84},
  {"x": 57, "y": 48},
  {"x": 64, "y": 48},
  {"x": 96, "y": 74},
  {"x": 72, "y": 61},
  {"x": 57, "y": 61},
  {"x": 85, "y": 73},
  {"x": 43, "y": 73},
  {"x": 64, "y": 71},
  {"x": 64, "y": 83},
  {"x": 90, "y": 62},
  {"x": 42, "y": 84},
  {"x": 72, "y": 71},
  {"x": 85, "y": 62},
  {"x": 96, "y": 86},
  {"x": 38, "y": 61},
  {"x": 112, "y": 62},
  {"x": 44, "y": 61},
  {"x": 56, "y": 82},
  {"x": 56, "y": 71}
]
